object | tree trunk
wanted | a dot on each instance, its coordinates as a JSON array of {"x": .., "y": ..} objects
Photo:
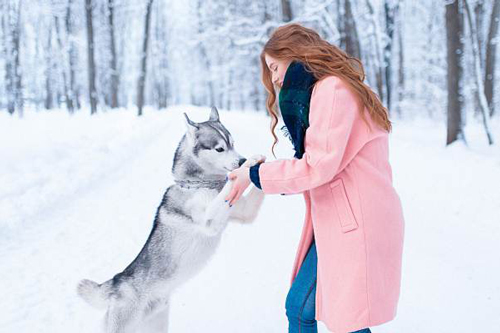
[
  {"x": 49, "y": 97},
  {"x": 72, "y": 93},
  {"x": 491, "y": 47},
  {"x": 352, "y": 46},
  {"x": 17, "y": 61},
  {"x": 455, "y": 50},
  {"x": 144, "y": 56},
  {"x": 205, "y": 59},
  {"x": 401, "y": 72},
  {"x": 378, "y": 61},
  {"x": 7, "y": 46},
  {"x": 479, "y": 16},
  {"x": 340, "y": 23},
  {"x": 67, "y": 98},
  {"x": 113, "y": 64},
  {"x": 161, "y": 75},
  {"x": 286, "y": 10},
  {"x": 90, "y": 55},
  {"x": 11, "y": 26},
  {"x": 390, "y": 14},
  {"x": 483, "y": 104}
]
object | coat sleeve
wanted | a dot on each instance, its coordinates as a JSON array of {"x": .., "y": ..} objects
[
  {"x": 331, "y": 116},
  {"x": 254, "y": 175}
]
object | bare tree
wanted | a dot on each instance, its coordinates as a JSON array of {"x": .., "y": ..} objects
[
  {"x": 376, "y": 51},
  {"x": 204, "y": 56},
  {"x": 352, "y": 46},
  {"x": 159, "y": 57},
  {"x": 11, "y": 26},
  {"x": 455, "y": 50},
  {"x": 401, "y": 61},
  {"x": 479, "y": 17},
  {"x": 491, "y": 47},
  {"x": 90, "y": 60},
  {"x": 49, "y": 89},
  {"x": 69, "y": 104},
  {"x": 73, "y": 96},
  {"x": 17, "y": 63},
  {"x": 483, "y": 104},
  {"x": 479, "y": 20},
  {"x": 286, "y": 10},
  {"x": 113, "y": 61},
  {"x": 144, "y": 57},
  {"x": 391, "y": 12}
]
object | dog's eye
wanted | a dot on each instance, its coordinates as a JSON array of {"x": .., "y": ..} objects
[{"x": 220, "y": 150}]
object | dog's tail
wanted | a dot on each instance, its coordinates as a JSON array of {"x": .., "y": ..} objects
[{"x": 93, "y": 293}]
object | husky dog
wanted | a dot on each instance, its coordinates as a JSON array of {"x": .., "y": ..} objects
[{"x": 186, "y": 231}]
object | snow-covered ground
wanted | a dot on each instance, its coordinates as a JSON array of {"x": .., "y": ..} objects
[{"x": 78, "y": 196}]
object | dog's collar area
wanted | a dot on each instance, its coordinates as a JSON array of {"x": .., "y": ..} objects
[{"x": 211, "y": 184}]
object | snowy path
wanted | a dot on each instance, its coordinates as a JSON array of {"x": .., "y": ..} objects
[
  {"x": 77, "y": 234},
  {"x": 78, "y": 198}
]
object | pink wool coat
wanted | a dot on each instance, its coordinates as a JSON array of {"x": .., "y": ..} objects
[{"x": 351, "y": 207}]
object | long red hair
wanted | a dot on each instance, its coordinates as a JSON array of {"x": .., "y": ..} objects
[{"x": 295, "y": 42}]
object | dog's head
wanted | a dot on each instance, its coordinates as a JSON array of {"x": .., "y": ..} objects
[{"x": 212, "y": 145}]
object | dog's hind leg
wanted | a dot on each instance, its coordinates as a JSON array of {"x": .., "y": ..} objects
[{"x": 157, "y": 322}]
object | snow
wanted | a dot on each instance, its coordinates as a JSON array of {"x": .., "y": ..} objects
[{"x": 78, "y": 196}]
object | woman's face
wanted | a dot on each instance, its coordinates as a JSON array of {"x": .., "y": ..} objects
[{"x": 278, "y": 69}]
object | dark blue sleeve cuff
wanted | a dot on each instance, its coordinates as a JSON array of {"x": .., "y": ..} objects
[{"x": 254, "y": 175}]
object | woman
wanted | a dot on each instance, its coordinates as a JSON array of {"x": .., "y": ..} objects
[{"x": 347, "y": 269}]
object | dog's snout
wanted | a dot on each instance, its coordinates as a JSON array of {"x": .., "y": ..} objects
[{"x": 241, "y": 161}]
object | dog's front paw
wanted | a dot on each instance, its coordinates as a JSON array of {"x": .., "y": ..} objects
[{"x": 255, "y": 159}]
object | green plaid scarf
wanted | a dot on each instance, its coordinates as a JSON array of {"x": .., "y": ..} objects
[{"x": 294, "y": 99}]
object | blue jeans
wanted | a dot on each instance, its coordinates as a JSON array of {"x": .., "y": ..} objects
[{"x": 301, "y": 299}]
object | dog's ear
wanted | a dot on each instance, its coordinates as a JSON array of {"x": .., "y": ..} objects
[
  {"x": 191, "y": 127},
  {"x": 214, "y": 114}
]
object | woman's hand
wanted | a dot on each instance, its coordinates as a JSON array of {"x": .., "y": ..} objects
[{"x": 241, "y": 178}]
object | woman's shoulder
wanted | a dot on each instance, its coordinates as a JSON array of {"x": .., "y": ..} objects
[
  {"x": 328, "y": 81},
  {"x": 346, "y": 107},
  {"x": 332, "y": 85}
]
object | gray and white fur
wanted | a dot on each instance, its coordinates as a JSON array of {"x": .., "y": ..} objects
[{"x": 186, "y": 231}]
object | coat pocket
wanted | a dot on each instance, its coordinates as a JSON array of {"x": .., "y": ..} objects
[{"x": 343, "y": 206}]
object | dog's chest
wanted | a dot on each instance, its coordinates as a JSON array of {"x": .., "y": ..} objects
[{"x": 196, "y": 252}]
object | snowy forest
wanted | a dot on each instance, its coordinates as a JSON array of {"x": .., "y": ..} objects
[
  {"x": 432, "y": 57},
  {"x": 92, "y": 101}
]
